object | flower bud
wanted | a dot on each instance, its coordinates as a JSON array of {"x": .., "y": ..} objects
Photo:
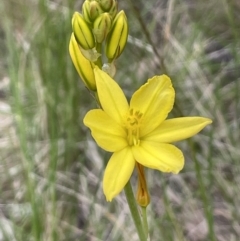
[
  {"x": 82, "y": 32},
  {"x": 83, "y": 66},
  {"x": 143, "y": 198},
  {"x": 106, "y": 4},
  {"x": 102, "y": 26},
  {"x": 91, "y": 10},
  {"x": 113, "y": 10},
  {"x": 117, "y": 37},
  {"x": 86, "y": 11}
]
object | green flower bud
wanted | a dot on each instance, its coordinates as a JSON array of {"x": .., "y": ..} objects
[
  {"x": 82, "y": 32},
  {"x": 142, "y": 197},
  {"x": 83, "y": 66},
  {"x": 102, "y": 26},
  {"x": 117, "y": 38},
  {"x": 91, "y": 10},
  {"x": 86, "y": 11},
  {"x": 114, "y": 9},
  {"x": 106, "y": 4}
]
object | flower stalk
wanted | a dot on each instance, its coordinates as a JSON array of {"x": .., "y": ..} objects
[
  {"x": 144, "y": 221},
  {"x": 134, "y": 211}
]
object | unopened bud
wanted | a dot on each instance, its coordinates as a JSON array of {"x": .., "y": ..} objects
[
  {"x": 83, "y": 66},
  {"x": 106, "y": 4},
  {"x": 143, "y": 198},
  {"x": 114, "y": 9},
  {"x": 91, "y": 10},
  {"x": 82, "y": 32},
  {"x": 86, "y": 10},
  {"x": 102, "y": 26},
  {"x": 117, "y": 37}
]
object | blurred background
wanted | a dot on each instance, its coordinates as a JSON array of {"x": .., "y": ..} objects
[{"x": 50, "y": 167}]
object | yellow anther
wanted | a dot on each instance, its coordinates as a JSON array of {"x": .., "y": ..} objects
[{"x": 132, "y": 126}]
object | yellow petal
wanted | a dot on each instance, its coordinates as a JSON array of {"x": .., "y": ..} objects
[
  {"x": 155, "y": 100},
  {"x": 111, "y": 96},
  {"x": 107, "y": 133},
  {"x": 178, "y": 129},
  {"x": 160, "y": 156},
  {"x": 118, "y": 171}
]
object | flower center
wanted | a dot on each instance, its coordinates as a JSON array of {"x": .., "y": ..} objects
[{"x": 133, "y": 126}]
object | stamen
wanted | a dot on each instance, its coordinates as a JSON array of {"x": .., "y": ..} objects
[{"x": 133, "y": 125}]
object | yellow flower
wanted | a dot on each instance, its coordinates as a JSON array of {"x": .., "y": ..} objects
[{"x": 139, "y": 131}]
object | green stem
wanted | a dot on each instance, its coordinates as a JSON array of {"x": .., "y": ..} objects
[
  {"x": 134, "y": 211},
  {"x": 145, "y": 222},
  {"x": 99, "y": 50}
]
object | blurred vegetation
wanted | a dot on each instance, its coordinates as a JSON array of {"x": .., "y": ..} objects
[{"x": 50, "y": 168}]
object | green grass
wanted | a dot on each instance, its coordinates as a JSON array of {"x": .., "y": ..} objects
[{"x": 50, "y": 167}]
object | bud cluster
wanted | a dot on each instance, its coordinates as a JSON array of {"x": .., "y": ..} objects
[{"x": 99, "y": 24}]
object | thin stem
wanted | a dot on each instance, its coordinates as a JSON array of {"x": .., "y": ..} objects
[
  {"x": 134, "y": 211},
  {"x": 145, "y": 222},
  {"x": 148, "y": 35},
  {"x": 99, "y": 60}
]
